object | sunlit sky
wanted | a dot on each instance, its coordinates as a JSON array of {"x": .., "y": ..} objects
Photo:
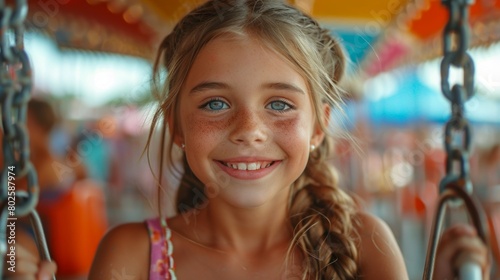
[{"x": 98, "y": 78}]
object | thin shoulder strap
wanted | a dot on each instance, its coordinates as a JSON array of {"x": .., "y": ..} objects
[{"x": 161, "y": 262}]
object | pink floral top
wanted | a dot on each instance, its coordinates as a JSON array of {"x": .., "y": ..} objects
[{"x": 162, "y": 262}]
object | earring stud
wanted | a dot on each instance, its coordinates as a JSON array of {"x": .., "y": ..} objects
[
  {"x": 313, "y": 148},
  {"x": 183, "y": 146}
]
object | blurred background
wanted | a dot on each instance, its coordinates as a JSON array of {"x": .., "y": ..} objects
[{"x": 92, "y": 62}]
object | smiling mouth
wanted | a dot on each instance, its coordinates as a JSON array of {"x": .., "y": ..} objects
[{"x": 251, "y": 166}]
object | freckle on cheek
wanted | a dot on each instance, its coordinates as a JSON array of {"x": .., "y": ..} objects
[
  {"x": 289, "y": 129},
  {"x": 200, "y": 125}
]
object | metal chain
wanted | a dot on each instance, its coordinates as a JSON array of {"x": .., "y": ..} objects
[
  {"x": 457, "y": 127},
  {"x": 15, "y": 90},
  {"x": 456, "y": 186}
]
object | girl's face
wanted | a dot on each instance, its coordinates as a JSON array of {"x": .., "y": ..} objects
[{"x": 247, "y": 122}]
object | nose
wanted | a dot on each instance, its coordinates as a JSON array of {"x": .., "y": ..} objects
[{"x": 249, "y": 127}]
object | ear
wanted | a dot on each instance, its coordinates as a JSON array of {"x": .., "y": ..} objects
[{"x": 318, "y": 134}]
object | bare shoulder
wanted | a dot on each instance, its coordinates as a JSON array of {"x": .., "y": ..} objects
[
  {"x": 123, "y": 253},
  {"x": 380, "y": 256}
]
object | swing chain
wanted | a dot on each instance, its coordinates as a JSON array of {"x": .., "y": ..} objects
[
  {"x": 15, "y": 91},
  {"x": 456, "y": 186},
  {"x": 457, "y": 130}
]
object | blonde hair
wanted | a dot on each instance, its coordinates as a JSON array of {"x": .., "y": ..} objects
[{"x": 321, "y": 214}]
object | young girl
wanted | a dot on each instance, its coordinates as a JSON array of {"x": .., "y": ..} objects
[{"x": 247, "y": 100}]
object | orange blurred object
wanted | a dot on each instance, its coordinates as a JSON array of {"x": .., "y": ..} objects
[
  {"x": 431, "y": 20},
  {"x": 75, "y": 221}
]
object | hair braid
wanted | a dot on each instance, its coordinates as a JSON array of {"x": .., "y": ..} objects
[{"x": 322, "y": 216}]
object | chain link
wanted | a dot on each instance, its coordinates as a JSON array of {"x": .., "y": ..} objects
[
  {"x": 455, "y": 44},
  {"x": 15, "y": 90},
  {"x": 456, "y": 186}
]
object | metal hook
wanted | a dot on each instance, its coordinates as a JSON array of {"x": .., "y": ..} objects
[{"x": 453, "y": 192}]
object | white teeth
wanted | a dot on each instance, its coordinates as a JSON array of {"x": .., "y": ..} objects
[
  {"x": 249, "y": 166},
  {"x": 242, "y": 166},
  {"x": 252, "y": 166}
]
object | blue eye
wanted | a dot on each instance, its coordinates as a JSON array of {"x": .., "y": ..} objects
[
  {"x": 215, "y": 105},
  {"x": 279, "y": 106}
]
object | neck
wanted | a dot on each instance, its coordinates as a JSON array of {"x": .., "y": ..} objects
[{"x": 243, "y": 231}]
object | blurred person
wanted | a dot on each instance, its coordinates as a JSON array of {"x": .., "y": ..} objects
[
  {"x": 41, "y": 121},
  {"x": 71, "y": 206}
]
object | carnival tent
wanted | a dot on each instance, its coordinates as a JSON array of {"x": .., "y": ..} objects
[{"x": 379, "y": 34}]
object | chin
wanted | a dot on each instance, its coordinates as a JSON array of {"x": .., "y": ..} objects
[{"x": 252, "y": 198}]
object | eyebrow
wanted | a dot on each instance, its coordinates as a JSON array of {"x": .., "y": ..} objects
[
  {"x": 285, "y": 87},
  {"x": 218, "y": 85},
  {"x": 208, "y": 86}
]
